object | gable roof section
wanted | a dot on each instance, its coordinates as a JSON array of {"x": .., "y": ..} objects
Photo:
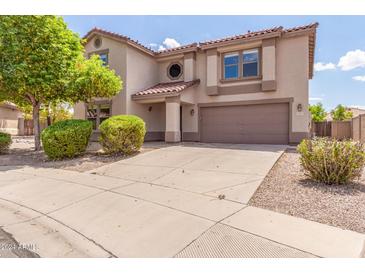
[
  {"x": 122, "y": 38},
  {"x": 311, "y": 29},
  {"x": 164, "y": 89},
  {"x": 279, "y": 31}
]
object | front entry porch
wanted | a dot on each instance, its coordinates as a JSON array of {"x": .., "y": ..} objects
[
  {"x": 165, "y": 120},
  {"x": 170, "y": 115}
]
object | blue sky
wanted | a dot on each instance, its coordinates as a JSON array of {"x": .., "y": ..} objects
[{"x": 338, "y": 82}]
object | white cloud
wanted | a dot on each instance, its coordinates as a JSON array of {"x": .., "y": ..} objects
[
  {"x": 315, "y": 99},
  {"x": 323, "y": 66},
  {"x": 352, "y": 59},
  {"x": 170, "y": 43},
  {"x": 359, "y": 78}
]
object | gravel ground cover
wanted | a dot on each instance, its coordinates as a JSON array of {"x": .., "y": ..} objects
[
  {"x": 287, "y": 190},
  {"x": 22, "y": 153}
]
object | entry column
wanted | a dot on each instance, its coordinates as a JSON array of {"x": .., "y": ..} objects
[{"x": 172, "y": 132}]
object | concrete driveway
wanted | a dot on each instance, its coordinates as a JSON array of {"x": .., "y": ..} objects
[{"x": 188, "y": 200}]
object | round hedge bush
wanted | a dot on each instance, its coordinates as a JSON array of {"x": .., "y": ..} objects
[
  {"x": 331, "y": 161},
  {"x": 66, "y": 139},
  {"x": 122, "y": 134},
  {"x": 5, "y": 142}
]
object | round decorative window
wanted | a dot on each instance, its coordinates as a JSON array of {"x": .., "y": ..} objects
[
  {"x": 175, "y": 70},
  {"x": 97, "y": 42}
]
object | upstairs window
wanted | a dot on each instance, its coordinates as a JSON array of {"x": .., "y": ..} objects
[
  {"x": 250, "y": 63},
  {"x": 241, "y": 65},
  {"x": 231, "y": 63},
  {"x": 104, "y": 58},
  {"x": 174, "y": 71}
]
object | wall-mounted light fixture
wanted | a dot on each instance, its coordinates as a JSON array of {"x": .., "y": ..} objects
[
  {"x": 149, "y": 108},
  {"x": 192, "y": 111},
  {"x": 299, "y": 107}
]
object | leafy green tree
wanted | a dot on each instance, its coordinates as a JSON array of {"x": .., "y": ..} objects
[
  {"x": 318, "y": 112},
  {"x": 93, "y": 79},
  {"x": 41, "y": 62},
  {"x": 341, "y": 113}
]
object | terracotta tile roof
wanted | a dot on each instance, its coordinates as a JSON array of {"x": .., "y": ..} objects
[
  {"x": 271, "y": 32},
  {"x": 243, "y": 36},
  {"x": 249, "y": 34},
  {"x": 304, "y": 27},
  {"x": 166, "y": 88},
  {"x": 189, "y": 46},
  {"x": 95, "y": 30}
]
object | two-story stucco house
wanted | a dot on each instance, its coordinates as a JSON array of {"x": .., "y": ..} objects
[{"x": 249, "y": 88}]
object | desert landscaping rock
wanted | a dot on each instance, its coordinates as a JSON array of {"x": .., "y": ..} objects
[{"x": 287, "y": 190}]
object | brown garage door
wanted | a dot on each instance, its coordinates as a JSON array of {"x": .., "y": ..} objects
[{"x": 250, "y": 124}]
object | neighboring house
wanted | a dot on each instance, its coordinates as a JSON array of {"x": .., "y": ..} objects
[
  {"x": 9, "y": 115},
  {"x": 355, "y": 112},
  {"x": 249, "y": 88}
]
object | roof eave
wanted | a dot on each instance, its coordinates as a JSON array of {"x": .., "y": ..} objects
[
  {"x": 189, "y": 49},
  {"x": 154, "y": 96},
  {"x": 92, "y": 33},
  {"x": 312, "y": 47}
]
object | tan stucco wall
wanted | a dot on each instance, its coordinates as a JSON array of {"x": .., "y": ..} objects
[
  {"x": 154, "y": 119},
  {"x": 212, "y": 65},
  {"x": 162, "y": 70},
  {"x": 9, "y": 120},
  {"x": 141, "y": 74},
  {"x": 189, "y": 120},
  {"x": 79, "y": 111},
  {"x": 189, "y": 67},
  {"x": 269, "y": 62}
]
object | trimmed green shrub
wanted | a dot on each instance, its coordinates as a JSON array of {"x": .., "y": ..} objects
[
  {"x": 122, "y": 134},
  {"x": 331, "y": 161},
  {"x": 5, "y": 142},
  {"x": 66, "y": 139}
]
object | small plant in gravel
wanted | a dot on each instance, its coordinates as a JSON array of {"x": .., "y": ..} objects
[
  {"x": 66, "y": 139},
  {"x": 331, "y": 161},
  {"x": 5, "y": 142},
  {"x": 122, "y": 134}
]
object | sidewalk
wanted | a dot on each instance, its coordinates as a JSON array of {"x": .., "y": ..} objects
[{"x": 86, "y": 215}]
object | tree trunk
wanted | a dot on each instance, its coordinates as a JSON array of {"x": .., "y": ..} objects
[
  {"x": 49, "y": 119},
  {"x": 36, "y": 126}
]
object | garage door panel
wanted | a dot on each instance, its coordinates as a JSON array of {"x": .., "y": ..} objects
[{"x": 266, "y": 123}]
